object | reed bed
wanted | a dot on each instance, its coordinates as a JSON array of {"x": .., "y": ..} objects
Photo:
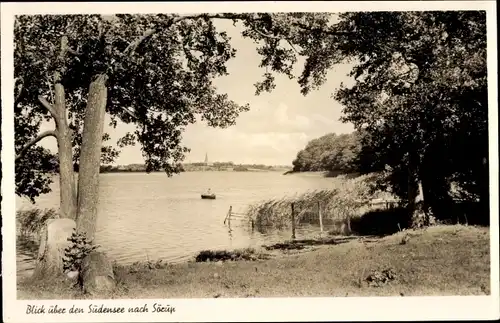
[
  {"x": 30, "y": 222},
  {"x": 347, "y": 199}
]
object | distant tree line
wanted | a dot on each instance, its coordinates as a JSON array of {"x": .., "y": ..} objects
[{"x": 186, "y": 167}]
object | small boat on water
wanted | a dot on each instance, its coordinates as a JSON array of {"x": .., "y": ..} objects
[{"x": 208, "y": 195}]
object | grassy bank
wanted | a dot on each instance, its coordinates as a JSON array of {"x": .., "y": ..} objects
[{"x": 441, "y": 260}]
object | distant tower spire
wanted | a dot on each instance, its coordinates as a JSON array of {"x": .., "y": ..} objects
[{"x": 206, "y": 159}]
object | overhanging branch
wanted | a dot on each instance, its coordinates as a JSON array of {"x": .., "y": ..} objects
[
  {"x": 34, "y": 141},
  {"x": 268, "y": 36},
  {"x": 293, "y": 47},
  {"x": 321, "y": 30},
  {"x": 133, "y": 45},
  {"x": 48, "y": 106}
]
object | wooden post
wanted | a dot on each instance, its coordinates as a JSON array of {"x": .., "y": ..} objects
[
  {"x": 320, "y": 217},
  {"x": 293, "y": 222},
  {"x": 228, "y": 214}
]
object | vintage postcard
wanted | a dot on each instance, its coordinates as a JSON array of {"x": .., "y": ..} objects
[{"x": 249, "y": 161}]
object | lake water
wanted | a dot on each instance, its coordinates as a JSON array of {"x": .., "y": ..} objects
[{"x": 153, "y": 216}]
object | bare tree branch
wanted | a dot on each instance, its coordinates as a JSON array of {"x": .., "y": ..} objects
[
  {"x": 321, "y": 30},
  {"x": 48, "y": 106},
  {"x": 73, "y": 52},
  {"x": 64, "y": 47},
  {"x": 130, "y": 112},
  {"x": 20, "y": 89},
  {"x": 49, "y": 84},
  {"x": 293, "y": 47},
  {"x": 34, "y": 141},
  {"x": 269, "y": 36},
  {"x": 133, "y": 45}
]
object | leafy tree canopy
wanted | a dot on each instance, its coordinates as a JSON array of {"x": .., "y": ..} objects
[
  {"x": 420, "y": 92},
  {"x": 331, "y": 152}
]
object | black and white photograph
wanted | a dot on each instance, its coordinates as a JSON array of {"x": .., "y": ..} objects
[{"x": 286, "y": 157}]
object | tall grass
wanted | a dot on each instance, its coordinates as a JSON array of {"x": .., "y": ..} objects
[
  {"x": 348, "y": 198},
  {"x": 30, "y": 222}
]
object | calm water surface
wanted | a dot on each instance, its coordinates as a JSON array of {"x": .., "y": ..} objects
[{"x": 152, "y": 216}]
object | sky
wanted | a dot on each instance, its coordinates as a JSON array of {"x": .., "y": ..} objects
[{"x": 278, "y": 125}]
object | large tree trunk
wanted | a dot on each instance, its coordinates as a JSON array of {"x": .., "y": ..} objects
[
  {"x": 426, "y": 186},
  {"x": 484, "y": 194},
  {"x": 54, "y": 238},
  {"x": 412, "y": 193},
  {"x": 64, "y": 141},
  {"x": 437, "y": 196},
  {"x": 90, "y": 157},
  {"x": 427, "y": 196},
  {"x": 97, "y": 277}
]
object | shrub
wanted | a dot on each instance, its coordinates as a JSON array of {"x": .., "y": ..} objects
[
  {"x": 148, "y": 265},
  {"x": 75, "y": 253},
  {"x": 223, "y": 255},
  {"x": 380, "y": 278}
]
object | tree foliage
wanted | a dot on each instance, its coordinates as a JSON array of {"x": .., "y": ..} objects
[
  {"x": 420, "y": 96},
  {"x": 331, "y": 152},
  {"x": 162, "y": 87}
]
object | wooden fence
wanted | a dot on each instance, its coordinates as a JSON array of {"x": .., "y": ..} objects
[
  {"x": 231, "y": 215},
  {"x": 387, "y": 203}
]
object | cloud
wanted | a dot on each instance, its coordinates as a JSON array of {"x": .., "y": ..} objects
[
  {"x": 269, "y": 133},
  {"x": 287, "y": 120},
  {"x": 233, "y": 144},
  {"x": 265, "y": 117}
]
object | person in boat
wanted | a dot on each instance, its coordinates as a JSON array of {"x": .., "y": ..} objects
[{"x": 209, "y": 192}]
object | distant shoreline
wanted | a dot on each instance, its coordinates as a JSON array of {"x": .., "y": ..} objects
[
  {"x": 199, "y": 167},
  {"x": 196, "y": 171},
  {"x": 325, "y": 173}
]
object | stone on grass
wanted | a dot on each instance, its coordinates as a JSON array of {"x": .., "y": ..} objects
[
  {"x": 96, "y": 276},
  {"x": 72, "y": 274},
  {"x": 53, "y": 241}
]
